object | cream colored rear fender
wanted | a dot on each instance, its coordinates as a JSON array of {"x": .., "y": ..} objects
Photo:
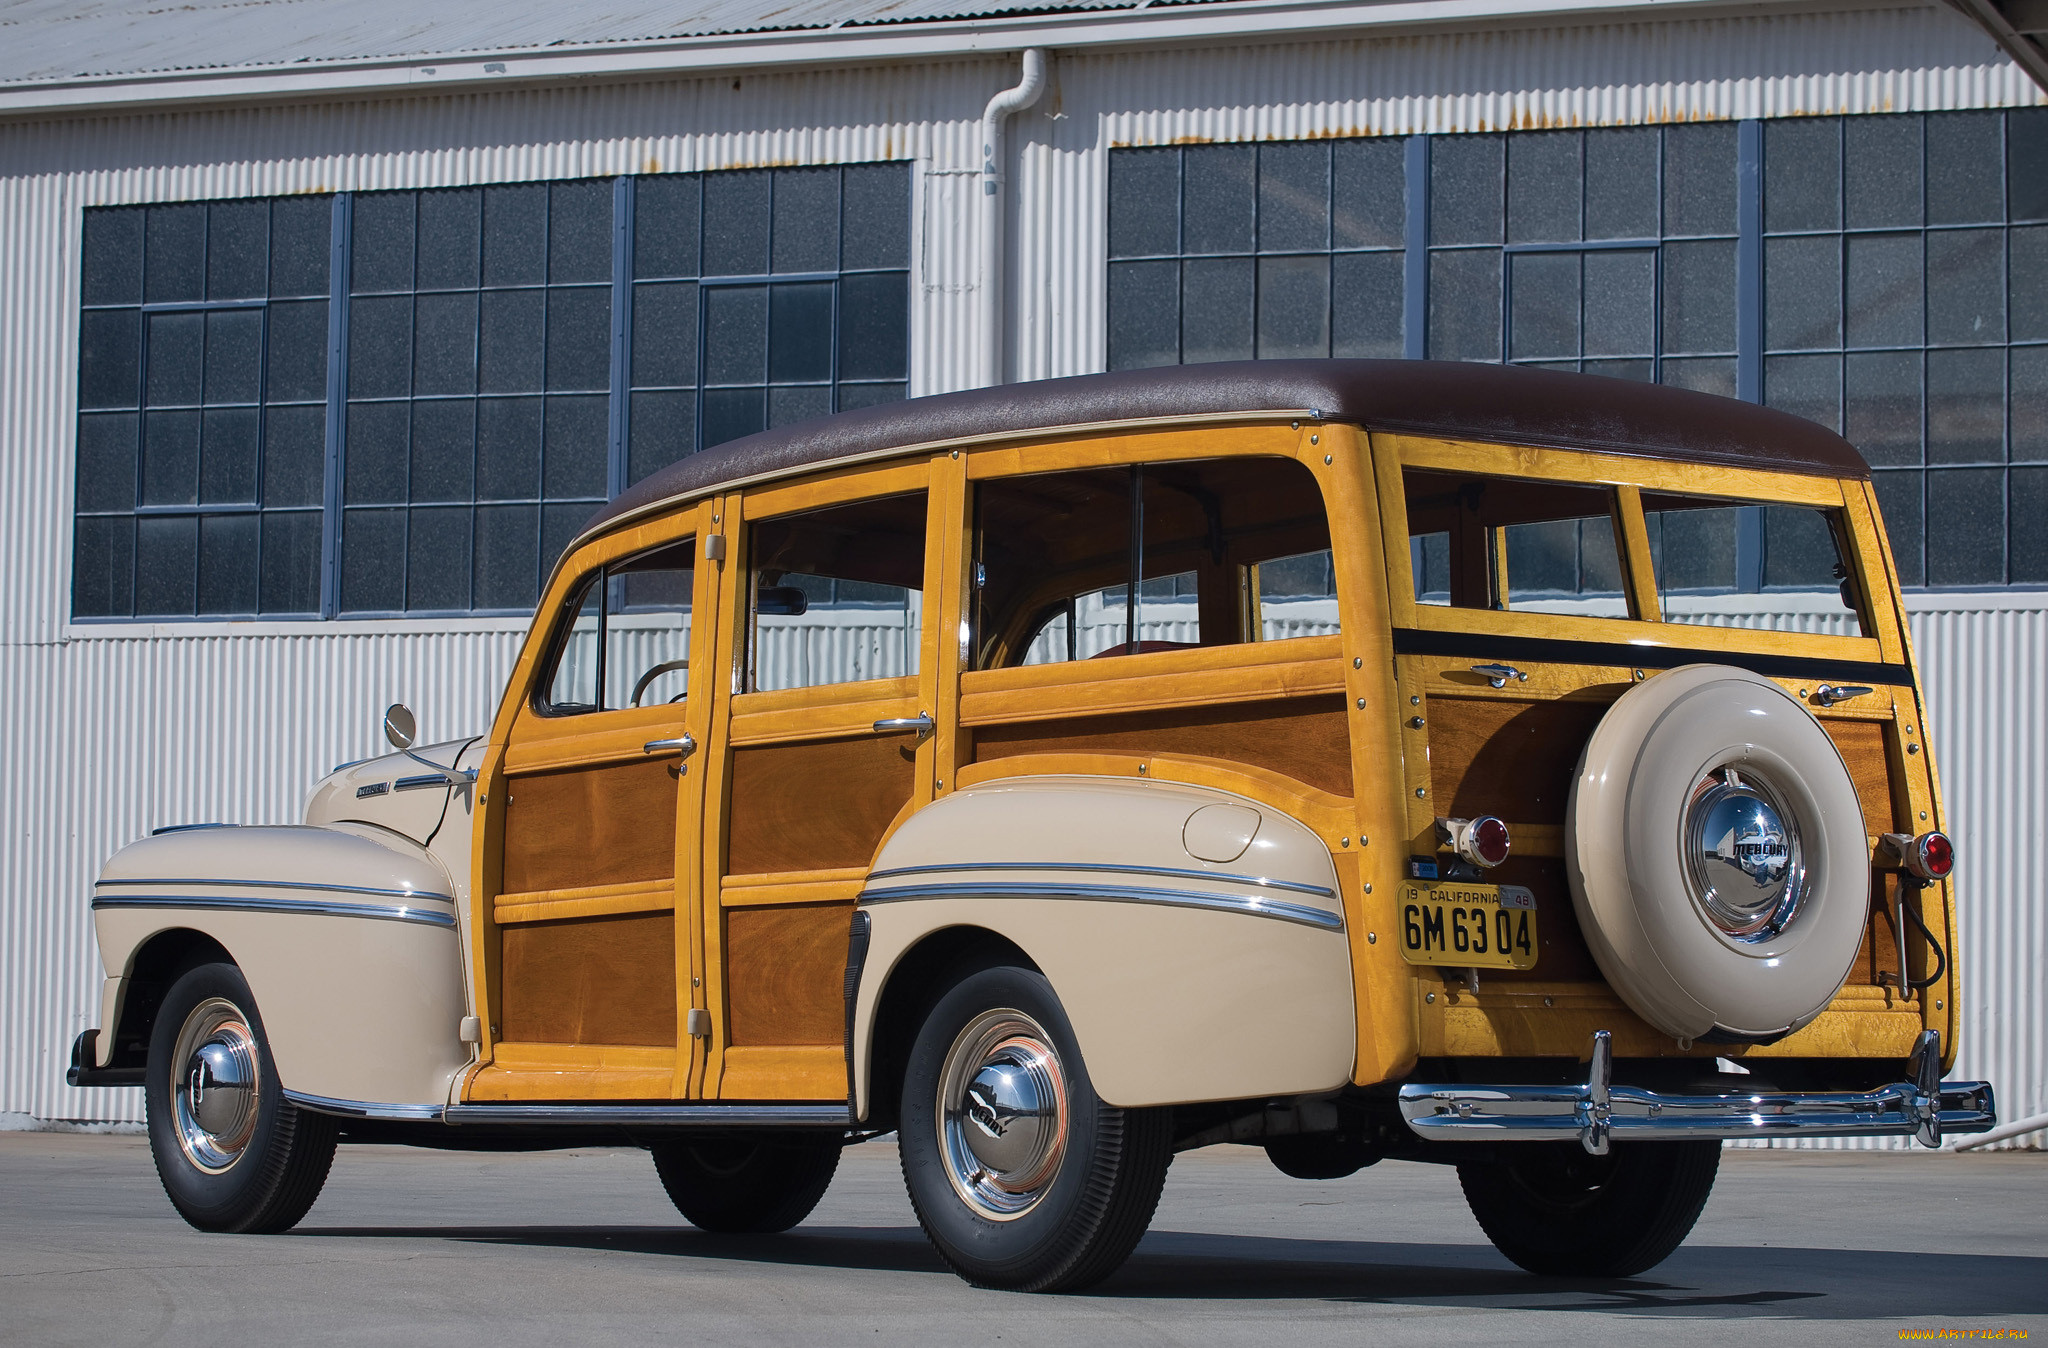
[
  {"x": 347, "y": 935},
  {"x": 1195, "y": 937}
]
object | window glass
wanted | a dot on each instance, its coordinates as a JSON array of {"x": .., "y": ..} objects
[
  {"x": 1705, "y": 551},
  {"x": 487, "y": 410},
  {"x": 1504, "y": 543},
  {"x": 629, "y": 642},
  {"x": 1162, "y": 556},
  {"x": 836, "y": 595}
]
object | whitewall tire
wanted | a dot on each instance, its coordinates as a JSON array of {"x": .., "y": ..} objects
[{"x": 1717, "y": 856}]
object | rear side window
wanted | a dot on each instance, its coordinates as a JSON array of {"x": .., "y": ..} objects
[
  {"x": 1105, "y": 562},
  {"x": 1726, "y": 564},
  {"x": 1508, "y": 543}
]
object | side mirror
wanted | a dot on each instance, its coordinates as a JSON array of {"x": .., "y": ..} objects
[
  {"x": 782, "y": 601},
  {"x": 400, "y": 729}
]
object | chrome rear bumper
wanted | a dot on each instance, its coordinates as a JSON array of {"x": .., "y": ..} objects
[{"x": 1924, "y": 1107}]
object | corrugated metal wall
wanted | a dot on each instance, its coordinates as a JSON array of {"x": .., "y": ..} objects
[{"x": 116, "y": 731}]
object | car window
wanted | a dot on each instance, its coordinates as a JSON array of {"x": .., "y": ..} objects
[
  {"x": 628, "y": 643},
  {"x": 1509, "y": 543},
  {"x": 1715, "y": 560},
  {"x": 836, "y": 595},
  {"x": 1160, "y": 556}
]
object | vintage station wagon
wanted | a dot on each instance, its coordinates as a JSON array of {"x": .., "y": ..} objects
[{"x": 1354, "y": 759}]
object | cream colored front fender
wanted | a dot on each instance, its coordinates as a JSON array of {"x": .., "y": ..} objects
[
  {"x": 347, "y": 935},
  {"x": 1195, "y": 937}
]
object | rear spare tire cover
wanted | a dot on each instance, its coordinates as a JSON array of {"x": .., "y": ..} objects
[{"x": 1717, "y": 856}]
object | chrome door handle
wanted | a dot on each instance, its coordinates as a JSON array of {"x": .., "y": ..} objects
[
  {"x": 922, "y": 723},
  {"x": 1498, "y": 675},
  {"x": 685, "y": 745},
  {"x": 1828, "y": 694}
]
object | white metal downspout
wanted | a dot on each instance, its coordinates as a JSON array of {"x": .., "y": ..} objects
[{"x": 994, "y": 121}]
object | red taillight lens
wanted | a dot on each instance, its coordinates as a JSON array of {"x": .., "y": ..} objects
[
  {"x": 1489, "y": 841},
  {"x": 1936, "y": 854}
]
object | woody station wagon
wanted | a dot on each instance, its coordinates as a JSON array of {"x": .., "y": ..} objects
[{"x": 1348, "y": 758}]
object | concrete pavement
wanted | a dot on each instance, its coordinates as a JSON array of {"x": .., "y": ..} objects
[{"x": 418, "y": 1248}]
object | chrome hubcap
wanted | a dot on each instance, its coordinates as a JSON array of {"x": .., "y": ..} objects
[
  {"x": 1744, "y": 860},
  {"x": 1002, "y": 1114},
  {"x": 213, "y": 1098}
]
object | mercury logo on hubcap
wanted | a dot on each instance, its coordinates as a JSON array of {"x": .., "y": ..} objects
[{"x": 1743, "y": 855}]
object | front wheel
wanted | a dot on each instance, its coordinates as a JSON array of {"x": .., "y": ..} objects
[
  {"x": 744, "y": 1185},
  {"x": 232, "y": 1152},
  {"x": 1557, "y": 1211},
  {"x": 1022, "y": 1177}
]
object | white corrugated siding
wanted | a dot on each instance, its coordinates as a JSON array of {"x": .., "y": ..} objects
[{"x": 114, "y": 735}]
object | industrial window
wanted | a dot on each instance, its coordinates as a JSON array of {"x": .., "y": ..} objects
[
  {"x": 408, "y": 402},
  {"x": 1886, "y": 276}
]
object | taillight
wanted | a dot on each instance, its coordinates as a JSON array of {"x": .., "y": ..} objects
[
  {"x": 1931, "y": 856},
  {"x": 1483, "y": 841}
]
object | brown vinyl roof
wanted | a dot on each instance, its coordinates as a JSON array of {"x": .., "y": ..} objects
[{"x": 1499, "y": 403}]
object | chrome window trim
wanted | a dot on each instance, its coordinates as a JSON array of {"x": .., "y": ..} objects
[
  {"x": 364, "y": 1109},
  {"x": 388, "y": 912},
  {"x": 1264, "y": 882},
  {"x": 1169, "y": 898},
  {"x": 284, "y": 884},
  {"x": 679, "y": 1115}
]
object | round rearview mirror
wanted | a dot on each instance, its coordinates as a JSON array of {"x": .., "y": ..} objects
[{"x": 399, "y": 726}]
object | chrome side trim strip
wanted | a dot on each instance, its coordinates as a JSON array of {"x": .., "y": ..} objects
[
  {"x": 283, "y": 884},
  {"x": 679, "y": 1115},
  {"x": 389, "y": 912},
  {"x": 1172, "y": 898},
  {"x": 364, "y": 1109},
  {"x": 424, "y": 779},
  {"x": 1263, "y": 882}
]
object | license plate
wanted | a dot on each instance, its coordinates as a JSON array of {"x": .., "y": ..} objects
[{"x": 1477, "y": 926}]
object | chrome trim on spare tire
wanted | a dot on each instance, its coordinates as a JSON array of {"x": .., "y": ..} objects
[
  {"x": 1170, "y": 898},
  {"x": 1925, "y": 1107}
]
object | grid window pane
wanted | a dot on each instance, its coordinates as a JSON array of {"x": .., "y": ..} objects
[
  {"x": 1966, "y": 512},
  {"x": 1803, "y": 293},
  {"x": 1366, "y": 304},
  {"x": 1294, "y": 307},
  {"x": 1965, "y": 168},
  {"x": 1218, "y": 200},
  {"x": 1144, "y": 203},
  {"x": 289, "y": 582},
  {"x": 1621, "y": 183},
  {"x": 579, "y": 232},
  {"x": 237, "y": 249},
  {"x": 1621, "y": 303},
  {"x": 2028, "y": 399},
  {"x": 450, "y": 238},
  {"x": 1544, "y": 187},
  {"x": 666, "y": 213},
  {"x": 805, "y": 228},
  {"x": 1464, "y": 305},
  {"x": 174, "y": 254},
  {"x": 227, "y": 564},
  {"x": 1368, "y": 194},
  {"x": 166, "y": 566},
  {"x": 1144, "y": 314},
  {"x": 1899, "y": 501},
  {"x": 2027, "y": 549},
  {"x": 1802, "y": 174},
  {"x": 1699, "y": 179},
  {"x": 234, "y": 356},
  {"x": 1465, "y": 197},
  {"x": 736, "y": 223},
  {"x": 1216, "y": 309},
  {"x": 1966, "y": 286},
  {"x": 1882, "y": 406},
  {"x": 876, "y": 228},
  {"x": 1699, "y": 297},
  {"x": 301, "y": 242},
  {"x": 1882, "y": 183},
  {"x": 1966, "y": 406},
  {"x": 1881, "y": 299},
  {"x": 516, "y": 235},
  {"x": 1294, "y": 198},
  {"x": 112, "y": 266},
  {"x": 874, "y": 339}
]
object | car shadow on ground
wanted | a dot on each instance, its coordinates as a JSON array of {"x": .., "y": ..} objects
[{"x": 1778, "y": 1281}]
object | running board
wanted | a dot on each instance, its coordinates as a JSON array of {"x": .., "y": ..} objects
[{"x": 681, "y": 1114}]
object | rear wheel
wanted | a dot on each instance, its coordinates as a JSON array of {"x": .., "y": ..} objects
[
  {"x": 1556, "y": 1210},
  {"x": 232, "y": 1152},
  {"x": 746, "y": 1185},
  {"x": 1022, "y": 1177}
]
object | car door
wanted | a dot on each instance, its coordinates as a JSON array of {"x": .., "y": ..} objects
[
  {"x": 590, "y": 921},
  {"x": 828, "y": 745}
]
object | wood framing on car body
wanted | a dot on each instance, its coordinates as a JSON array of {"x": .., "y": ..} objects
[{"x": 727, "y": 877}]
